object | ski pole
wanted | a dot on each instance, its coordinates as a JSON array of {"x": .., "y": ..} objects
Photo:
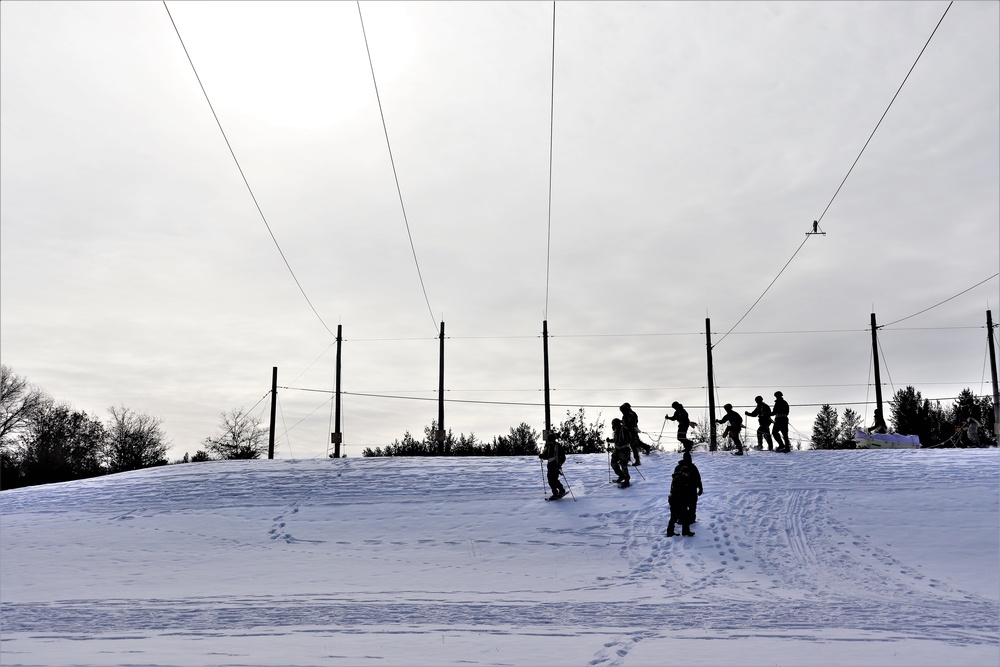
[
  {"x": 634, "y": 469},
  {"x": 570, "y": 488},
  {"x": 609, "y": 465},
  {"x": 541, "y": 466}
]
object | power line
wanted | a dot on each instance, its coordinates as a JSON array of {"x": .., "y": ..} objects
[
  {"x": 886, "y": 110},
  {"x": 808, "y": 236},
  {"x": 243, "y": 175},
  {"x": 552, "y": 115},
  {"x": 942, "y": 302},
  {"x": 395, "y": 176}
]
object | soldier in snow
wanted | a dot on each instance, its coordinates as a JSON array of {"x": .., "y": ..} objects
[
  {"x": 734, "y": 428},
  {"x": 630, "y": 430},
  {"x": 554, "y": 456},
  {"x": 763, "y": 414},
  {"x": 695, "y": 480},
  {"x": 683, "y": 495},
  {"x": 683, "y": 423},
  {"x": 780, "y": 412},
  {"x": 619, "y": 456}
]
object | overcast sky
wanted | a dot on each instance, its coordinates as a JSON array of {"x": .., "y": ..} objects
[{"x": 693, "y": 145}]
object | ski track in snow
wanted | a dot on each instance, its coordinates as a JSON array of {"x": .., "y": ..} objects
[{"x": 773, "y": 550}]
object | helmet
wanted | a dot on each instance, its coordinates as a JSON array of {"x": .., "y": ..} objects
[
  {"x": 758, "y": 398},
  {"x": 777, "y": 394},
  {"x": 727, "y": 406},
  {"x": 625, "y": 406},
  {"x": 675, "y": 405}
]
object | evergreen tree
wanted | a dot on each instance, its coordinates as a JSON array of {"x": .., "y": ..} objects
[
  {"x": 578, "y": 436},
  {"x": 825, "y": 432},
  {"x": 848, "y": 423}
]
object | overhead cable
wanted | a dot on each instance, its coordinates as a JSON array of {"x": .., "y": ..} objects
[
  {"x": 395, "y": 177},
  {"x": 940, "y": 302},
  {"x": 243, "y": 175},
  {"x": 552, "y": 112},
  {"x": 808, "y": 236}
]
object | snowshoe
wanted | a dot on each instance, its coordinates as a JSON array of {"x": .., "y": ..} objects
[{"x": 625, "y": 484}]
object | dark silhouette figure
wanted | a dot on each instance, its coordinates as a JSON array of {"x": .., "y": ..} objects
[
  {"x": 683, "y": 496},
  {"x": 554, "y": 456},
  {"x": 879, "y": 425},
  {"x": 683, "y": 423},
  {"x": 735, "y": 426},
  {"x": 695, "y": 479},
  {"x": 781, "y": 423},
  {"x": 763, "y": 414},
  {"x": 630, "y": 430},
  {"x": 619, "y": 456}
]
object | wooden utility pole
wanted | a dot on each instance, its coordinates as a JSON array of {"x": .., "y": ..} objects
[
  {"x": 545, "y": 370},
  {"x": 440, "y": 424},
  {"x": 993, "y": 371},
  {"x": 274, "y": 406},
  {"x": 712, "y": 443},
  {"x": 878, "y": 374},
  {"x": 337, "y": 437}
]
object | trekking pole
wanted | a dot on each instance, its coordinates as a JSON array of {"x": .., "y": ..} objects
[
  {"x": 541, "y": 467},
  {"x": 659, "y": 438},
  {"x": 609, "y": 465},
  {"x": 572, "y": 495},
  {"x": 634, "y": 469}
]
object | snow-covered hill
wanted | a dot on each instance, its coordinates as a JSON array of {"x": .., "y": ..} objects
[{"x": 811, "y": 558}]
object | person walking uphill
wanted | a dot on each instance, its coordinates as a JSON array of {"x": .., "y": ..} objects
[
  {"x": 763, "y": 414},
  {"x": 781, "y": 422},
  {"x": 619, "y": 457},
  {"x": 554, "y": 455},
  {"x": 683, "y": 423},
  {"x": 682, "y": 496},
  {"x": 630, "y": 431},
  {"x": 735, "y": 426},
  {"x": 695, "y": 479}
]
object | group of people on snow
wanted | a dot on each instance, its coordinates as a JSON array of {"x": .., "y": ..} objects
[{"x": 685, "y": 484}]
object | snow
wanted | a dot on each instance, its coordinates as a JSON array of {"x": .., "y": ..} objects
[{"x": 809, "y": 558}]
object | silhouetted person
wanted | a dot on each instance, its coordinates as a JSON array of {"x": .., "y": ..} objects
[
  {"x": 781, "y": 422},
  {"x": 683, "y": 495},
  {"x": 630, "y": 429},
  {"x": 695, "y": 479},
  {"x": 879, "y": 425},
  {"x": 763, "y": 414},
  {"x": 735, "y": 426},
  {"x": 815, "y": 226},
  {"x": 683, "y": 423},
  {"x": 554, "y": 456},
  {"x": 619, "y": 456}
]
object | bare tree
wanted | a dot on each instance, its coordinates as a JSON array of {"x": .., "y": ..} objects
[
  {"x": 20, "y": 403},
  {"x": 134, "y": 440},
  {"x": 240, "y": 436}
]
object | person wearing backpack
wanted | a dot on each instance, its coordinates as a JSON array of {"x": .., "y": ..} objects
[
  {"x": 733, "y": 429},
  {"x": 683, "y": 423},
  {"x": 619, "y": 457},
  {"x": 683, "y": 495},
  {"x": 630, "y": 431},
  {"x": 554, "y": 456},
  {"x": 763, "y": 414},
  {"x": 781, "y": 422}
]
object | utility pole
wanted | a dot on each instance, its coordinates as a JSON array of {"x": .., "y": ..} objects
[
  {"x": 712, "y": 443},
  {"x": 545, "y": 367},
  {"x": 440, "y": 428},
  {"x": 993, "y": 371},
  {"x": 337, "y": 437},
  {"x": 878, "y": 375},
  {"x": 274, "y": 406}
]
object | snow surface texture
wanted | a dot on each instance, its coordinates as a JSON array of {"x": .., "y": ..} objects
[{"x": 810, "y": 558}]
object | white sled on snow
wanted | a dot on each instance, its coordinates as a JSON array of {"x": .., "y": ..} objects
[{"x": 868, "y": 440}]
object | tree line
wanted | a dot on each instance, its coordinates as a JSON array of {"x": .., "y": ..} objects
[
  {"x": 575, "y": 434},
  {"x": 912, "y": 414},
  {"x": 44, "y": 441}
]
